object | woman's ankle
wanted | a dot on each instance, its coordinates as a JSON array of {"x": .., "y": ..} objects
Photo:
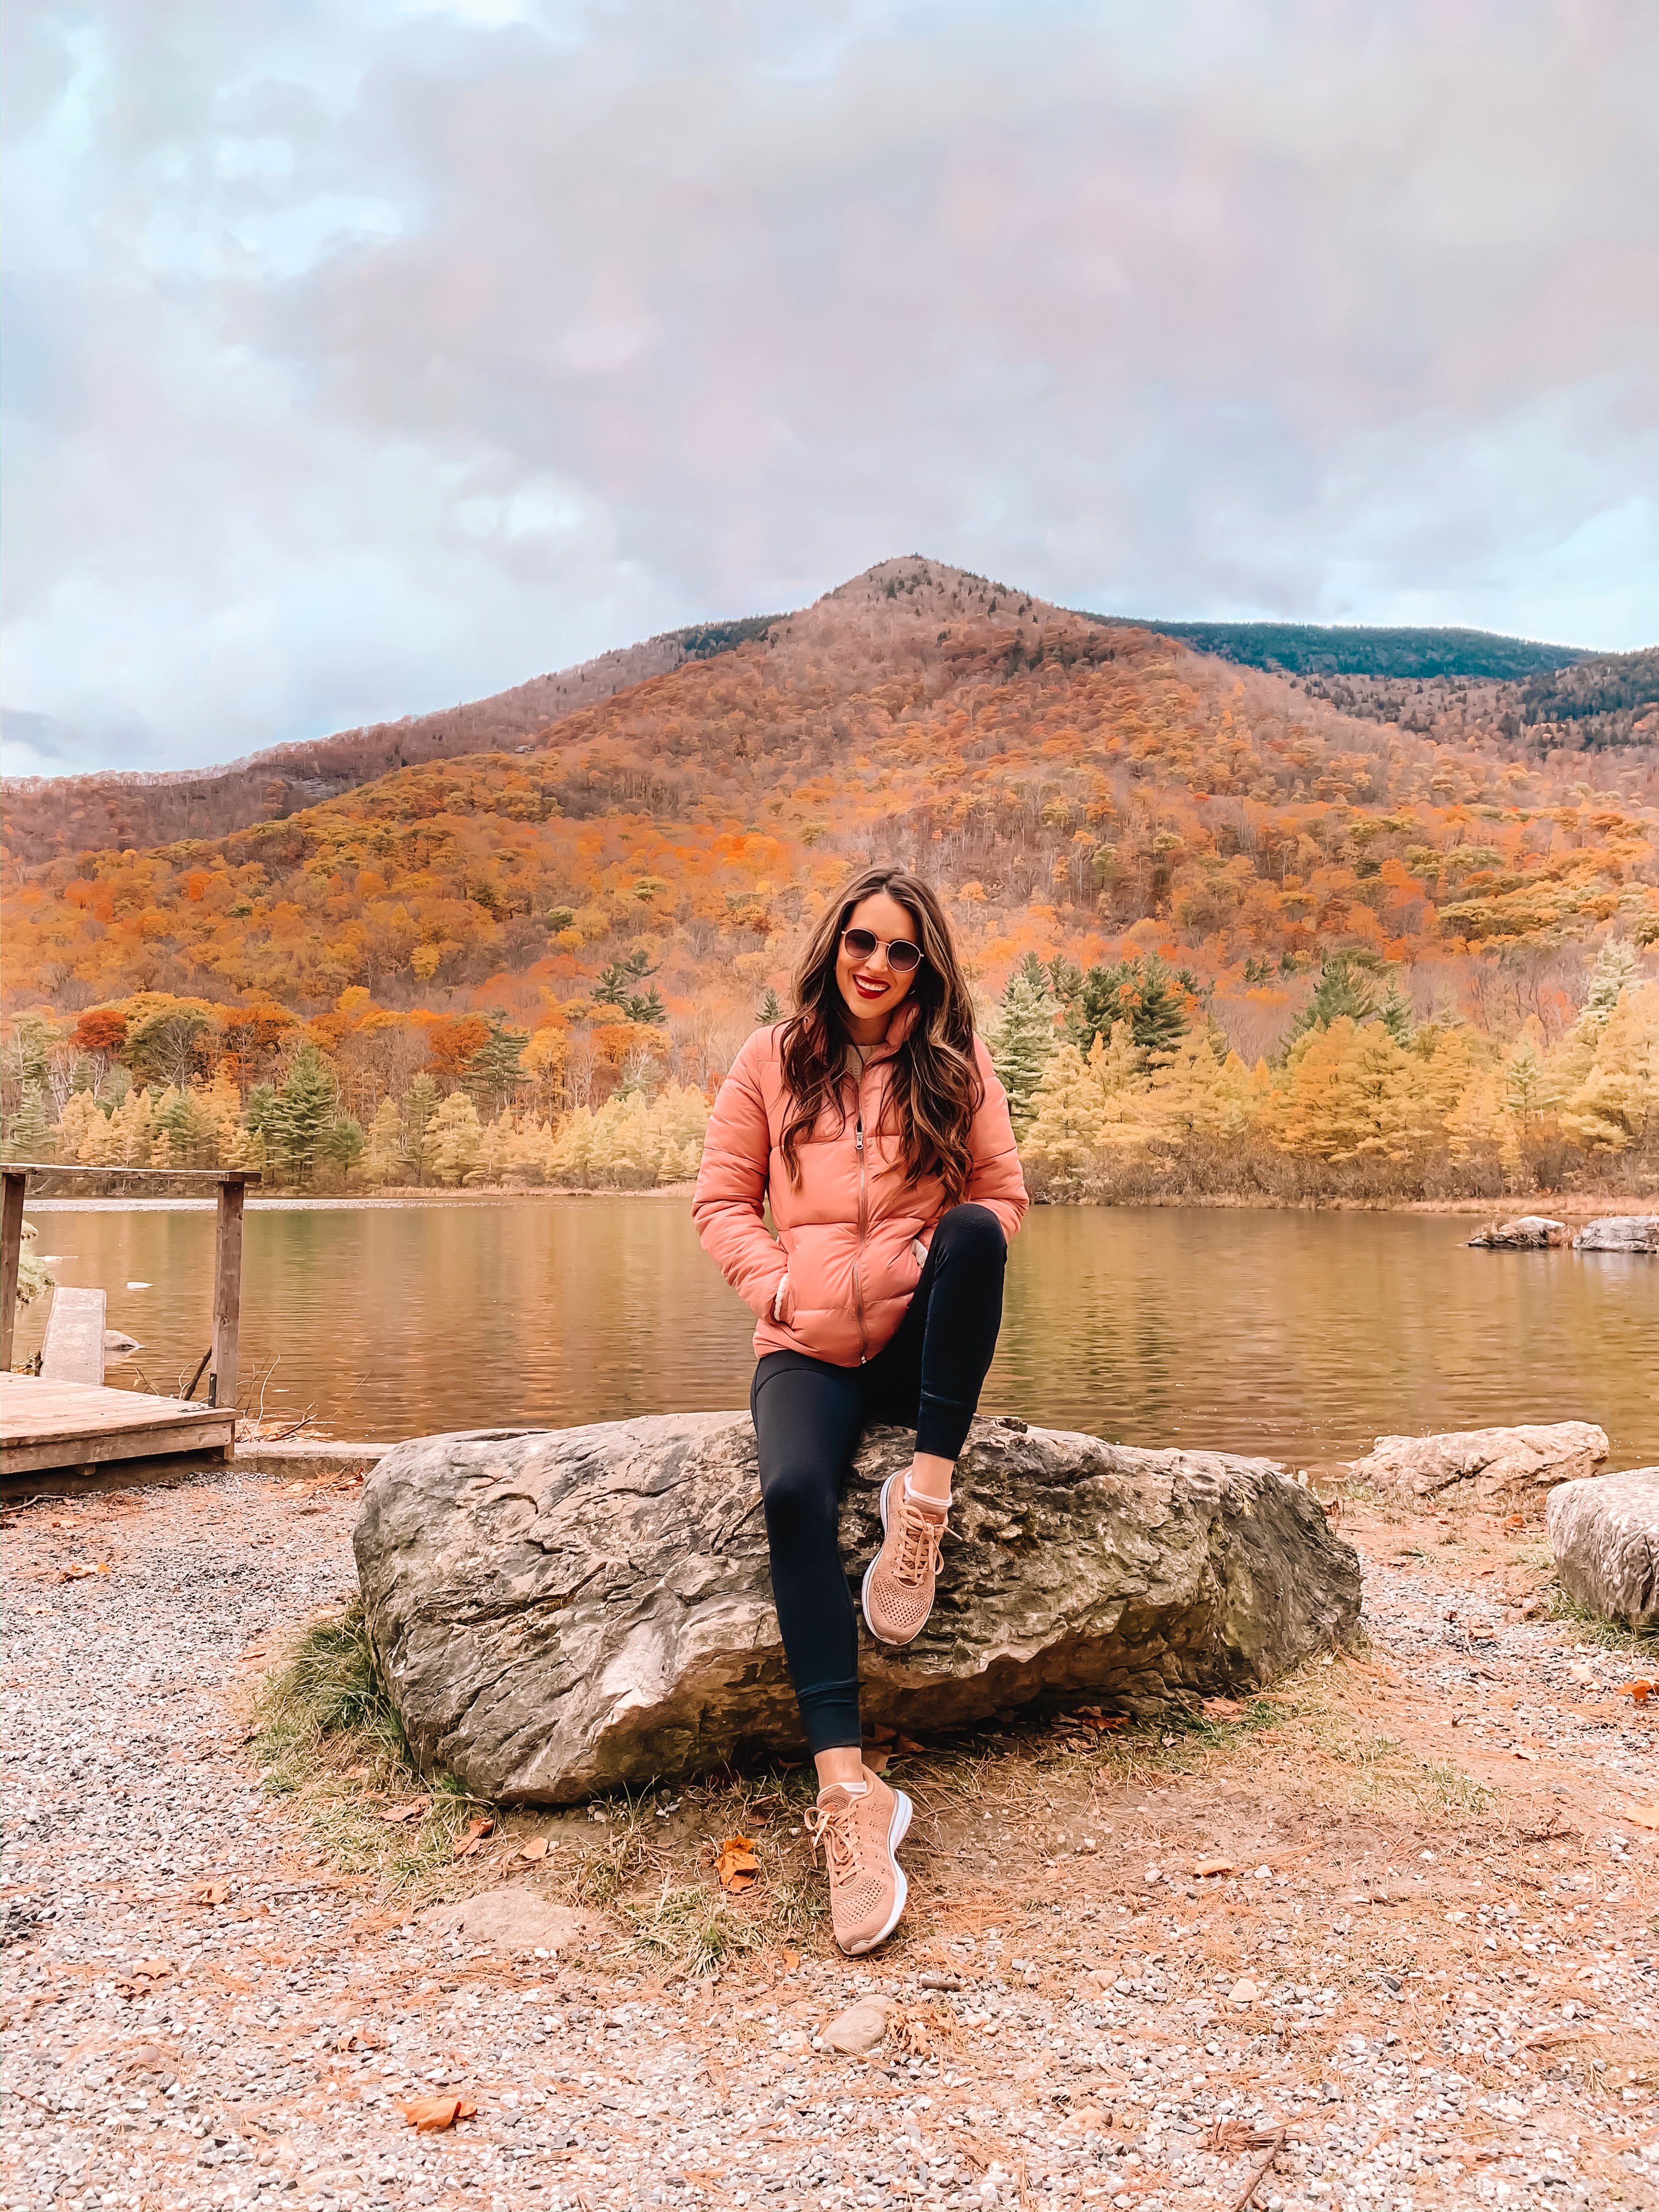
[
  {"x": 928, "y": 1482},
  {"x": 842, "y": 1767}
]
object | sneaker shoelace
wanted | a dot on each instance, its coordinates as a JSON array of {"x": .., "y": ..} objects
[
  {"x": 835, "y": 1827},
  {"x": 917, "y": 1550}
]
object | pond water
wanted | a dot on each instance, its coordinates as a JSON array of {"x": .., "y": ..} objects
[{"x": 1300, "y": 1335}]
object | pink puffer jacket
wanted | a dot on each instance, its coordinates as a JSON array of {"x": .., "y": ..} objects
[{"x": 846, "y": 1237}]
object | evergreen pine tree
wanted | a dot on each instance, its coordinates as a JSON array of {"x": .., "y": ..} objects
[
  {"x": 28, "y": 1132},
  {"x": 1144, "y": 992},
  {"x": 420, "y": 1106},
  {"x": 1023, "y": 1043},
  {"x": 1395, "y": 1014},
  {"x": 494, "y": 1072},
  {"x": 1349, "y": 989},
  {"x": 618, "y": 986},
  {"x": 298, "y": 1116},
  {"x": 769, "y": 1010},
  {"x": 342, "y": 1143}
]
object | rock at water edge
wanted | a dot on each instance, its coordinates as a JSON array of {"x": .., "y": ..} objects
[
  {"x": 1470, "y": 1466},
  {"x": 1533, "y": 1232},
  {"x": 565, "y": 1611},
  {"x": 1605, "y": 1535},
  {"x": 1620, "y": 1233}
]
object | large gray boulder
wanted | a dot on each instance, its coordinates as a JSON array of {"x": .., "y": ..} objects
[
  {"x": 1620, "y": 1233},
  {"x": 1482, "y": 1466},
  {"x": 1605, "y": 1535},
  {"x": 557, "y": 1613},
  {"x": 1532, "y": 1232}
]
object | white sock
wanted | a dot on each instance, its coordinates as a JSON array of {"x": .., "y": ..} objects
[
  {"x": 853, "y": 1788},
  {"x": 924, "y": 1497}
]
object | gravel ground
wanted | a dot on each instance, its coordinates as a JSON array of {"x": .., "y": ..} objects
[{"x": 1435, "y": 1964}]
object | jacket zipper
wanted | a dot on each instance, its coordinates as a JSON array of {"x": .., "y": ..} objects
[{"x": 858, "y": 1285}]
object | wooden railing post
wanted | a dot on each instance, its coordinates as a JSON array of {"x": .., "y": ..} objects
[
  {"x": 227, "y": 1292},
  {"x": 11, "y": 1247}
]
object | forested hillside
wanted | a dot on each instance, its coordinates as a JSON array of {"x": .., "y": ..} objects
[
  {"x": 527, "y": 933},
  {"x": 1315, "y": 648},
  {"x": 46, "y": 815}
]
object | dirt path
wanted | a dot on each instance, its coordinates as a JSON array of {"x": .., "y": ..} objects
[{"x": 1434, "y": 1963}]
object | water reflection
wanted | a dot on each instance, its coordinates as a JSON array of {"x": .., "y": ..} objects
[{"x": 1303, "y": 1335}]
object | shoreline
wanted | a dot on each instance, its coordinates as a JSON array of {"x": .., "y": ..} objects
[{"x": 1576, "y": 1206}]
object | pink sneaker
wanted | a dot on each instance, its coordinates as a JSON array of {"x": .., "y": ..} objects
[
  {"x": 898, "y": 1582},
  {"x": 860, "y": 1835}
]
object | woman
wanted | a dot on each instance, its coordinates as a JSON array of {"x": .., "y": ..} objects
[{"x": 873, "y": 1121}]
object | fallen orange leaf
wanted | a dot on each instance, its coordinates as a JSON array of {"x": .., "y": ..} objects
[
  {"x": 430, "y": 2115},
  {"x": 412, "y": 1811},
  {"x": 1640, "y": 1691},
  {"x": 791, "y": 1961},
  {"x": 877, "y": 1761},
  {"x": 737, "y": 1865},
  {"x": 476, "y": 1832},
  {"x": 1205, "y": 1868},
  {"x": 212, "y": 1893},
  {"x": 1645, "y": 1816},
  {"x": 533, "y": 1848}
]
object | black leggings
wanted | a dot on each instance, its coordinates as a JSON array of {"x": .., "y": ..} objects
[{"x": 807, "y": 1414}]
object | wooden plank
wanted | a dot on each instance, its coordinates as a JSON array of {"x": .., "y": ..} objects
[
  {"x": 45, "y": 1425},
  {"x": 11, "y": 1246},
  {"x": 212, "y": 1433},
  {"x": 32, "y": 1408},
  {"x": 227, "y": 1293},
  {"x": 74, "y": 1348},
  {"x": 142, "y": 1175}
]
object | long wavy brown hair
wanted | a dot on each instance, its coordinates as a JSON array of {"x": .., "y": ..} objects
[{"x": 935, "y": 1085}]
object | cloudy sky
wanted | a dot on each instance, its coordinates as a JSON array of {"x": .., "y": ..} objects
[{"x": 366, "y": 356}]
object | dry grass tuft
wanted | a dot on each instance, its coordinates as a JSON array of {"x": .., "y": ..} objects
[{"x": 330, "y": 1741}]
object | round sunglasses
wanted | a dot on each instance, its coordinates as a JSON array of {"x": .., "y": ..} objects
[{"x": 902, "y": 957}]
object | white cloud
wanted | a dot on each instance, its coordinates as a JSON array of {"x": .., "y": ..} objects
[{"x": 365, "y": 361}]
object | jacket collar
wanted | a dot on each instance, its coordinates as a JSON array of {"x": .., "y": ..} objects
[{"x": 899, "y": 1028}]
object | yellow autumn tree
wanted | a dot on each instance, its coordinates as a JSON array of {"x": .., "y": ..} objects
[
  {"x": 457, "y": 1139},
  {"x": 1081, "y": 1108},
  {"x": 1344, "y": 1094},
  {"x": 1480, "y": 1125},
  {"x": 1195, "y": 1096},
  {"x": 1616, "y": 1105}
]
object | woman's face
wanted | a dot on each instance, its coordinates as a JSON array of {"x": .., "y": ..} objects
[{"x": 869, "y": 988}]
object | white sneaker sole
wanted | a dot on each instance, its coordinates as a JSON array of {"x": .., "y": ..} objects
[
  {"x": 898, "y": 1828},
  {"x": 893, "y": 1643}
]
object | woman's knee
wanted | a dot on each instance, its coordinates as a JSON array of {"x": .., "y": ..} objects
[
  {"x": 972, "y": 1231},
  {"x": 801, "y": 1499}
]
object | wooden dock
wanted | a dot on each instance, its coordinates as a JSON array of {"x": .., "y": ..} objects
[{"x": 77, "y": 1428}]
